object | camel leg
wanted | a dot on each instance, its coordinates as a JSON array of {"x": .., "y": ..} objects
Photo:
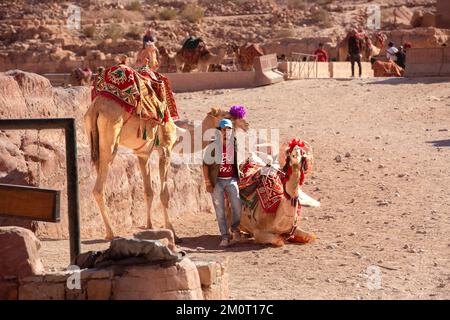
[
  {"x": 164, "y": 164},
  {"x": 108, "y": 139},
  {"x": 268, "y": 238},
  {"x": 148, "y": 189},
  {"x": 301, "y": 236}
]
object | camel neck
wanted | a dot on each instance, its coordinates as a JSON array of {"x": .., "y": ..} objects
[{"x": 293, "y": 181}]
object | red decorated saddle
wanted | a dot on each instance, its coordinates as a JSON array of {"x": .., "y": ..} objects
[
  {"x": 140, "y": 92},
  {"x": 263, "y": 184}
]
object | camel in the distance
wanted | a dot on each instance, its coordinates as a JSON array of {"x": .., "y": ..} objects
[
  {"x": 246, "y": 54},
  {"x": 199, "y": 58}
]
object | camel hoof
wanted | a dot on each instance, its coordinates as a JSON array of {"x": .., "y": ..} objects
[
  {"x": 279, "y": 242},
  {"x": 308, "y": 238},
  {"x": 109, "y": 237}
]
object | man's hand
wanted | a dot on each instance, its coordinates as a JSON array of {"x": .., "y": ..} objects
[{"x": 209, "y": 187}]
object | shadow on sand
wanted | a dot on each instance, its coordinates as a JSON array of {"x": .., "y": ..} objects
[
  {"x": 397, "y": 81},
  {"x": 210, "y": 244},
  {"x": 95, "y": 241},
  {"x": 440, "y": 143}
]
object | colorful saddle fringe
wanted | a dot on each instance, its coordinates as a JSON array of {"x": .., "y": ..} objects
[{"x": 142, "y": 92}]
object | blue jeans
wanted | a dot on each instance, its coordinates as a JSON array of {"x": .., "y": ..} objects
[{"x": 230, "y": 187}]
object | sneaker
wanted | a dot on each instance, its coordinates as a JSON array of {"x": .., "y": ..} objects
[{"x": 224, "y": 243}]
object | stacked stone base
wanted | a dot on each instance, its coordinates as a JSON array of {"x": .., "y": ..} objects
[{"x": 184, "y": 281}]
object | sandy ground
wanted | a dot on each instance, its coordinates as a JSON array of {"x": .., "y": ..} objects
[{"x": 386, "y": 204}]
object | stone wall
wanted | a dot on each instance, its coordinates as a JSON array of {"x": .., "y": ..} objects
[
  {"x": 433, "y": 62},
  {"x": 443, "y": 13},
  {"x": 25, "y": 161},
  {"x": 187, "y": 280}
]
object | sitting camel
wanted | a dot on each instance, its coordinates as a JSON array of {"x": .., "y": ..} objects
[
  {"x": 246, "y": 54},
  {"x": 282, "y": 225},
  {"x": 80, "y": 77}
]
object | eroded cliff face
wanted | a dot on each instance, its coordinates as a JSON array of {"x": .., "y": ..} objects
[{"x": 29, "y": 158}]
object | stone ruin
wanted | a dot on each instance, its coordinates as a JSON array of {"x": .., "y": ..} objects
[{"x": 22, "y": 277}]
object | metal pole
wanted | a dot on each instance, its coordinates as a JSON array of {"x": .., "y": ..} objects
[{"x": 72, "y": 189}]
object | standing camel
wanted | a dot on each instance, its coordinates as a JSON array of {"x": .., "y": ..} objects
[{"x": 108, "y": 125}]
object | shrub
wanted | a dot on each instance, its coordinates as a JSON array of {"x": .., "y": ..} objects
[
  {"x": 193, "y": 13},
  {"x": 114, "y": 32},
  {"x": 134, "y": 6},
  {"x": 134, "y": 33},
  {"x": 89, "y": 31},
  {"x": 168, "y": 14},
  {"x": 285, "y": 33},
  {"x": 322, "y": 17},
  {"x": 296, "y": 4}
]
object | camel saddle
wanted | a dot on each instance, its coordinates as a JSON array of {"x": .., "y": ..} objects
[
  {"x": 263, "y": 184},
  {"x": 387, "y": 69},
  {"x": 142, "y": 93}
]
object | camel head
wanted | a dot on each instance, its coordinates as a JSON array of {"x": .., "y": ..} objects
[{"x": 299, "y": 155}]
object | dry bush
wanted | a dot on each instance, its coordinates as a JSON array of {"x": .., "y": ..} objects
[
  {"x": 89, "y": 31},
  {"x": 134, "y": 33},
  {"x": 114, "y": 31},
  {"x": 296, "y": 4},
  {"x": 193, "y": 13},
  {"x": 168, "y": 14},
  {"x": 323, "y": 17},
  {"x": 134, "y": 6},
  {"x": 285, "y": 33}
]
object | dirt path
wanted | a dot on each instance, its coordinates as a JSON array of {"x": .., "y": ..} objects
[{"x": 386, "y": 204}]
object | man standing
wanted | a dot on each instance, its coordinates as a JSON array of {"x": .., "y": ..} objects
[
  {"x": 221, "y": 173},
  {"x": 148, "y": 37},
  {"x": 401, "y": 57},
  {"x": 354, "y": 51},
  {"x": 321, "y": 54}
]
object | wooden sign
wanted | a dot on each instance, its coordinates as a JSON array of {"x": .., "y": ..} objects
[{"x": 29, "y": 203}]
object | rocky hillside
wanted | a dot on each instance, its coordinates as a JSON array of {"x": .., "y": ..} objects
[{"x": 43, "y": 36}]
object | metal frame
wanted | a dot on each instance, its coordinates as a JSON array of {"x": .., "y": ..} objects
[
  {"x": 68, "y": 124},
  {"x": 306, "y": 62}
]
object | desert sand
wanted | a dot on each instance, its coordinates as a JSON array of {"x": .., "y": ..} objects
[{"x": 381, "y": 149}]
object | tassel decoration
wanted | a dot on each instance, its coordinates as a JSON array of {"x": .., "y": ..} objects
[
  {"x": 139, "y": 131},
  {"x": 144, "y": 136}
]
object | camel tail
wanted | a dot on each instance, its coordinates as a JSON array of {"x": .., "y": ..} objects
[{"x": 92, "y": 132}]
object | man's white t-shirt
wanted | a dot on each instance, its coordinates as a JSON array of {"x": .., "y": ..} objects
[{"x": 391, "y": 53}]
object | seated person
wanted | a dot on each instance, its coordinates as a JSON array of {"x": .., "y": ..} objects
[{"x": 146, "y": 58}]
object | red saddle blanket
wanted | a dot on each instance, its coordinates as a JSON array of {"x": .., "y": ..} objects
[
  {"x": 263, "y": 181},
  {"x": 142, "y": 92}
]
